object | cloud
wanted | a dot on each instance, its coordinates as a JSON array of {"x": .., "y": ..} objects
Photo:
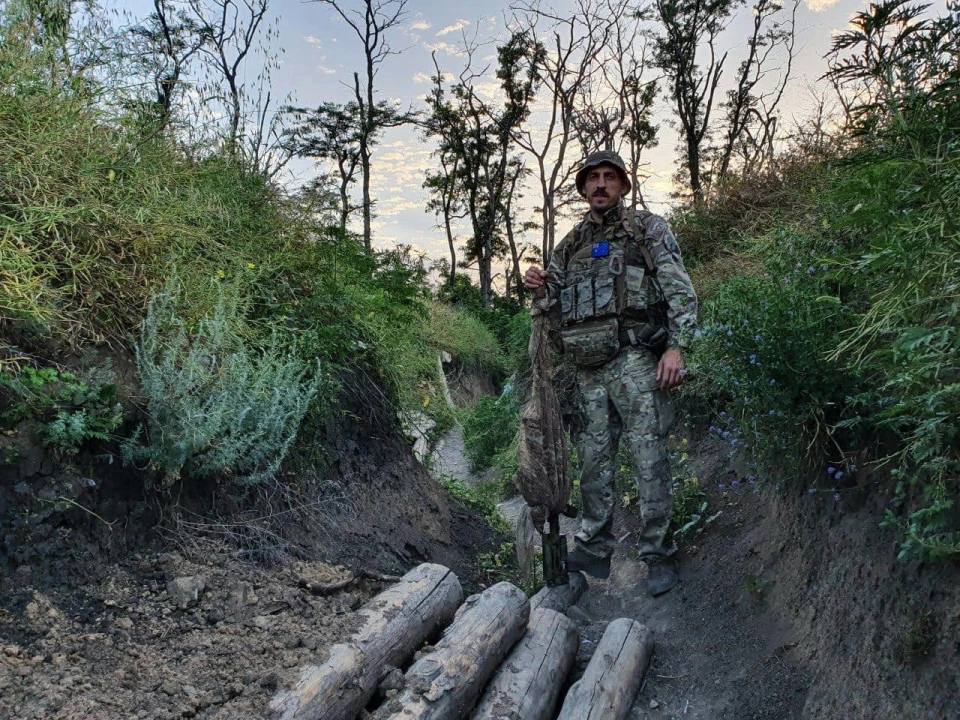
[
  {"x": 326, "y": 71},
  {"x": 442, "y": 47},
  {"x": 420, "y": 25},
  {"x": 456, "y": 27},
  {"x": 421, "y": 77},
  {"x": 314, "y": 41},
  {"x": 820, "y": 5}
]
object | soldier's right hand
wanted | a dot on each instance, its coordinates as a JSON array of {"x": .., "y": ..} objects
[{"x": 534, "y": 278}]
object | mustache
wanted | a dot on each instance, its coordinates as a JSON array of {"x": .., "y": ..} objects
[{"x": 601, "y": 193}]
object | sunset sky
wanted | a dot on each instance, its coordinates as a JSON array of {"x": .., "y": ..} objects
[{"x": 320, "y": 54}]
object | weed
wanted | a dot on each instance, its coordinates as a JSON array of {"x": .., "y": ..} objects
[{"x": 482, "y": 498}]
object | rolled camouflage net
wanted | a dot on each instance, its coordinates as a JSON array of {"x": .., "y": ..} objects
[{"x": 544, "y": 477}]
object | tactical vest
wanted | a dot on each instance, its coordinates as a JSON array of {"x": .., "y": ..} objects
[{"x": 621, "y": 283}]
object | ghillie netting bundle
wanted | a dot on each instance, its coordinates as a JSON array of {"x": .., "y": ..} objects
[{"x": 544, "y": 477}]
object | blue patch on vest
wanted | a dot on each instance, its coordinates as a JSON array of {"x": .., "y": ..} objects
[{"x": 600, "y": 249}]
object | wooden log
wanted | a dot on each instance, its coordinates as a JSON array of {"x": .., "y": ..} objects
[
  {"x": 397, "y": 622},
  {"x": 445, "y": 683},
  {"x": 528, "y": 684},
  {"x": 560, "y": 598},
  {"x": 613, "y": 676}
]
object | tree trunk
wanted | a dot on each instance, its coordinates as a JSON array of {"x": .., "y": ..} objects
[
  {"x": 612, "y": 678},
  {"x": 398, "y": 620},
  {"x": 530, "y": 681},
  {"x": 560, "y": 598},
  {"x": 444, "y": 684}
]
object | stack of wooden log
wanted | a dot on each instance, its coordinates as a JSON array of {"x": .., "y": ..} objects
[{"x": 496, "y": 655}]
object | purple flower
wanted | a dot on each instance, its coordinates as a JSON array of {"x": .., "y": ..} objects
[
  {"x": 735, "y": 483},
  {"x": 773, "y": 382},
  {"x": 831, "y": 470},
  {"x": 836, "y": 497},
  {"x": 723, "y": 413},
  {"x": 853, "y": 468},
  {"x": 751, "y": 479},
  {"x": 722, "y": 486},
  {"x": 729, "y": 333},
  {"x": 811, "y": 270},
  {"x": 773, "y": 412},
  {"x": 756, "y": 337},
  {"x": 838, "y": 476},
  {"x": 726, "y": 433},
  {"x": 812, "y": 491}
]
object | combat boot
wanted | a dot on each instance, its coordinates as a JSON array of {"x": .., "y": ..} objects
[
  {"x": 662, "y": 576},
  {"x": 593, "y": 565}
]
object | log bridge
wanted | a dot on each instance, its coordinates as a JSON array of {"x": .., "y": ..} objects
[{"x": 425, "y": 653}]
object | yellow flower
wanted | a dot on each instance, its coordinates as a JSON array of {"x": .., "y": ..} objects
[
  {"x": 684, "y": 456},
  {"x": 685, "y": 441},
  {"x": 251, "y": 266},
  {"x": 673, "y": 437},
  {"x": 221, "y": 274}
]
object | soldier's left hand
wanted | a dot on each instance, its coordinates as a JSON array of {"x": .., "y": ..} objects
[{"x": 671, "y": 370}]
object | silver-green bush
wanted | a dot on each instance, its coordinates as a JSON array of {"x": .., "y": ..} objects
[{"x": 216, "y": 405}]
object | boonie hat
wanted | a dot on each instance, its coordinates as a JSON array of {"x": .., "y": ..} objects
[{"x": 601, "y": 157}]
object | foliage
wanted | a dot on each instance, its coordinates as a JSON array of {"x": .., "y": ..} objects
[
  {"x": 216, "y": 405},
  {"x": 482, "y": 498},
  {"x": 72, "y": 410},
  {"x": 489, "y": 427},
  {"x": 850, "y": 332}
]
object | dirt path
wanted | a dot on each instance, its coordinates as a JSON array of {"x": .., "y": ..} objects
[{"x": 720, "y": 651}]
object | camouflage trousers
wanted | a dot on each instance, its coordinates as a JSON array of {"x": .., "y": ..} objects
[{"x": 620, "y": 401}]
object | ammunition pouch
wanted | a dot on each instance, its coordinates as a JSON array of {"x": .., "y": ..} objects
[
  {"x": 589, "y": 344},
  {"x": 651, "y": 337}
]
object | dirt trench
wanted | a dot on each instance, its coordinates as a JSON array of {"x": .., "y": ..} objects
[{"x": 791, "y": 606}]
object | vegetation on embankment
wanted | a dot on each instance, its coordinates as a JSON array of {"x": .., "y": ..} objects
[
  {"x": 829, "y": 338},
  {"x": 240, "y": 304}
]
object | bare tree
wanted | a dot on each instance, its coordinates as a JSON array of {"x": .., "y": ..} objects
[
  {"x": 445, "y": 201},
  {"x": 371, "y": 22},
  {"x": 234, "y": 31},
  {"x": 751, "y": 113},
  {"x": 569, "y": 47},
  {"x": 686, "y": 29},
  {"x": 615, "y": 109}
]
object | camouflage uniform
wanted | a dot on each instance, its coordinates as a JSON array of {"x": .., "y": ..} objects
[{"x": 620, "y": 397}]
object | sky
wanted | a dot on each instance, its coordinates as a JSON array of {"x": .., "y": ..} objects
[{"x": 321, "y": 53}]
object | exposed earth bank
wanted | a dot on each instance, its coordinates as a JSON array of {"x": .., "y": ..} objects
[{"x": 791, "y": 605}]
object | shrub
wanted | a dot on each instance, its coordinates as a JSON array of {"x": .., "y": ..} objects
[
  {"x": 489, "y": 427},
  {"x": 216, "y": 404},
  {"x": 72, "y": 409}
]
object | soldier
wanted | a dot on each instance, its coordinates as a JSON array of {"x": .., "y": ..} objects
[{"x": 625, "y": 311}]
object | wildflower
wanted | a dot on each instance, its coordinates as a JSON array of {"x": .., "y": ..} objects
[
  {"x": 722, "y": 486},
  {"x": 831, "y": 470},
  {"x": 735, "y": 483},
  {"x": 751, "y": 479},
  {"x": 725, "y": 434},
  {"x": 812, "y": 491},
  {"x": 853, "y": 468},
  {"x": 773, "y": 412},
  {"x": 746, "y": 322},
  {"x": 836, "y": 497},
  {"x": 729, "y": 333},
  {"x": 773, "y": 382},
  {"x": 684, "y": 456},
  {"x": 810, "y": 270},
  {"x": 221, "y": 274},
  {"x": 756, "y": 337},
  {"x": 685, "y": 441},
  {"x": 251, "y": 266},
  {"x": 723, "y": 413},
  {"x": 838, "y": 475}
]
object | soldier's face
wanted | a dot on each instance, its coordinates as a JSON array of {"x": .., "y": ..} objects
[{"x": 603, "y": 187}]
